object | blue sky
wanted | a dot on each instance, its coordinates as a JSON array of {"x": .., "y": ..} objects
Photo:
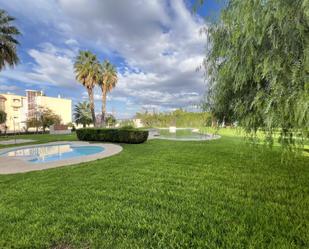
[{"x": 155, "y": 44}]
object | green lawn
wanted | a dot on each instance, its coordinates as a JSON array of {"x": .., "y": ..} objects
[{"x": 161, "y": 194}]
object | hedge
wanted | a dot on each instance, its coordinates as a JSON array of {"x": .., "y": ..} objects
[{"x": 130, "y": 136}]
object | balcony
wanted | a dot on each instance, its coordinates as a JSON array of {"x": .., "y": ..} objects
[{"x": 16, "y": 103}]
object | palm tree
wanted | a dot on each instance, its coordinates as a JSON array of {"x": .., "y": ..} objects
[
  {"x": 87, "y": 70},
  {"x": 8, "y": 54},
  {"x": 107, "y": 82},
  {"x": 82, "y": 113}
]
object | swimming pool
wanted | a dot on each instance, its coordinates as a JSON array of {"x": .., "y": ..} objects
[
  {"x": 182, "y": 134},
  {"x": 50, "y": 153}
]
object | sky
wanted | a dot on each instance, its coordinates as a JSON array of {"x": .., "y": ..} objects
[{"x": 156, "y": 46}]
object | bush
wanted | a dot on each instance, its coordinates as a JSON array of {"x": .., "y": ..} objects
[
  {"x": 130, "y": 136},
  {"x": 127, "y": 127}
]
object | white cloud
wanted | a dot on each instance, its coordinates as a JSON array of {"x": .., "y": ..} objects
[
  {"x": 6, "y": 88},
  {"x": 71, "y": 42},
  {"x": 52, "y": 67}
]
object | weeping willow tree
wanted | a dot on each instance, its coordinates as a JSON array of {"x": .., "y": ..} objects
[{"x": 258, "y": 66}]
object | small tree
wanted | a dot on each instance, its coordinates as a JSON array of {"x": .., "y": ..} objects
[
  {"x": 48, "y": 118},
  {"x": 110, "y": 120},
  {"x": 2, "y": 117},
  {"x": 33, "y": 123}
]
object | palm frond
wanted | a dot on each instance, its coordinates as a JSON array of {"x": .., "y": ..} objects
[{"x": 8, "y": 42}]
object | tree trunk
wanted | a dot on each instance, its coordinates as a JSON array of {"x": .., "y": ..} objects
[
  {"x": 91, "y": 102},
  {"x": 104, "y": 93}
]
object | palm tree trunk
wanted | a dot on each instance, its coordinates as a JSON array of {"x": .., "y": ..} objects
[
  {"x": 104, "y": 93},
  {"x": 91, "y": 102}
]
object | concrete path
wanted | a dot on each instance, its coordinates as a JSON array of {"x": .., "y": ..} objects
[
  {"x": 12, "y": 165},
  {"x": 17, "y": 141}
]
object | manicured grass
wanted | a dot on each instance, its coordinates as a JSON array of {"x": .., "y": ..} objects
[{"x": 161, "y": 194}]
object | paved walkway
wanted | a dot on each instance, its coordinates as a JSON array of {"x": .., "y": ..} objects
[
  {"x": 17, "y": 141},
  {"x": 12, "y": 165}
]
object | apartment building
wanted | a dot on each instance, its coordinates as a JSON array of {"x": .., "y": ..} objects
[
  {"x": 20, "y": 108},
  {"x": 15, "y": 107}
]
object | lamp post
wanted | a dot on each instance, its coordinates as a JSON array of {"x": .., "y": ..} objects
[{"x": 13, "y": 118}]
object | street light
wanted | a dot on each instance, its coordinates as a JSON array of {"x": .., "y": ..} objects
[{"x": 13, "y": 118}]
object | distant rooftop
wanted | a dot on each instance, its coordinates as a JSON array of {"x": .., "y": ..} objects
[{"x": 41, "y": 94}]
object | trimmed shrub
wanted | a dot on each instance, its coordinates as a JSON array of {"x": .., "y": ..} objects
[
  {"x": 127, "y": 127},
  {"x": 130, "y": 136}
]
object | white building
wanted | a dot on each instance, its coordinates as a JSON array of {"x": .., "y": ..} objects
[{"x": 21, "y": 108}]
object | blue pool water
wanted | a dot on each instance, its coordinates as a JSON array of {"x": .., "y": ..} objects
[{"x": 50, "y": 153}]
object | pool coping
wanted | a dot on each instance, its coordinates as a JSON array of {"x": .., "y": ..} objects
[{"x": 13, "y": 165}]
